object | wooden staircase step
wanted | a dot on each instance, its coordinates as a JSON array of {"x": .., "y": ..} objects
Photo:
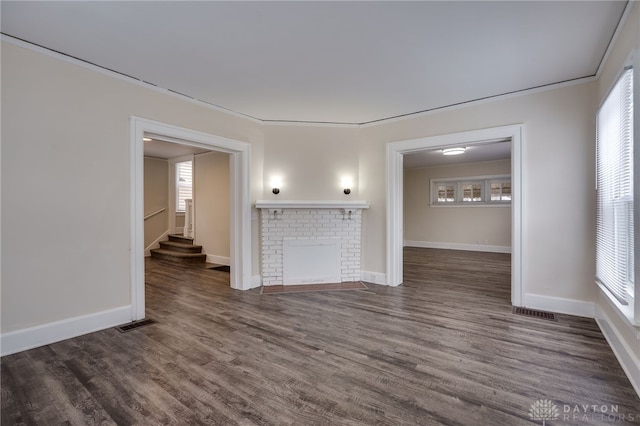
[
  {"x": 180, "y": 239},
  {"x": 178, "y": 257},
  {"x": 180, "y": 247}
]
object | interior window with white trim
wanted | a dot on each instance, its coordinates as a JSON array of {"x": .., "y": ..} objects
[
  {"x": 500, "y": 190},
  {"x": 446, "y": 193},
  {"x": 477, "y": 190},
  {"x": 614, "y": 193},
  {"x": 472, "y": 192}
]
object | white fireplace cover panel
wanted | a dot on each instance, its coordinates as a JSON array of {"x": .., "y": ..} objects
[{"x": 311, "y": 261}]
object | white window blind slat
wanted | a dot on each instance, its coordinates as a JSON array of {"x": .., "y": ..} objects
[
  {"x": 614, "y": 184},
  {"x": 184, "y": 184}
]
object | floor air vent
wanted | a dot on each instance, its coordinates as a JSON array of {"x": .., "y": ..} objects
[
  {"x": 134, "y": 325},
  {"x": 535, "y": 313}
]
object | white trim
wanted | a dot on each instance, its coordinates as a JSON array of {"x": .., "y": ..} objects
[
  {"x": 220, "y": 260},
  {"x": 627, "y": 358},
  {"x": 268, "y": 122},
  {"x": 458, "y": 246},
  {"x": 316, "y": 204},
  {"x": 478, "y": 102},
  {"x": 458, "y": 183},
  {"x": 256, "y": 281},
  {"x": 373, "y": 277},
  {"x": 155, "y": 243},
  {"x": 122, "y": 77},
  {"x": 580, "y": 308},
  {"x": 624, "y": 311},
  {"x": 40, "y": 335},
  {"x": 624, "y": 319},
  {"x": 240, "y": 206},
  {"x": 255, "y": 120},
  {"x": 472, "y": 204},
  {"x": 395, "y": 152},
  {"x": 614, "y": 39}
]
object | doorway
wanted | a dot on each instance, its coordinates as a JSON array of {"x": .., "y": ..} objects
[
  {"x": 239, "y": 212},
  {"x": 395, "y": 195}
]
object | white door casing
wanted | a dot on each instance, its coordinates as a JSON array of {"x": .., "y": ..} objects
[
  {"x": 395, "y": 237},
  {"x": 240, "y": 206}
]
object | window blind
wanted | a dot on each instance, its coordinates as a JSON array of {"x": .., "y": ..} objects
[
  {"x": 184, "y": 177},
  {"x": 614, "y": 185}
]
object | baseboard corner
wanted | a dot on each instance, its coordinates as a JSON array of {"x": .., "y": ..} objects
[
  {"x": 458, "y": 246},
  {"x": 256, "y": 281},
  {"x": 629, "y": 362},
  {"x": 45, "y": 334},
  {"x": 579, "y": 308},
  {"x": 373, "y": 277}
]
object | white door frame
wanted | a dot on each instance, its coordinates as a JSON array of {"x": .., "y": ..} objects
[
  {"x": 395, "y": 234},
  {"x": 240, "y": 206}
]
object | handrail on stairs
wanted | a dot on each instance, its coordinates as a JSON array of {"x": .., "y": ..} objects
[{"x": 154, "y": 213}]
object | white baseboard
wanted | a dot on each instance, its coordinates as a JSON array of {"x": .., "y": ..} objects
[
  {"x": 40, "y": 335},
  {"x": 373, "y": 277},
  {"x": 458, "y": 246},
  {"x": 256, "y": 281},
  {"x": 560, "y": 305},
  {"x": 625, "y": 355},
  {"x": 220, "y": 260},
  {"x": 156, "y": 243}
]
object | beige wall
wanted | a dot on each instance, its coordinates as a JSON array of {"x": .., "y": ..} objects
[
  {"x": 65, "y": 174},
  {"x": 61, "y": 120},
  {"x": 156, "y": 190},
  {"x": 179, "y": 221},
  {"x": 212, "y": 203},
  {"x": 558, "y": 233},
  {"x": 311, "y": 161},
  {"x": 47, "y": 146},
  {"x": 485, "y": 225}
]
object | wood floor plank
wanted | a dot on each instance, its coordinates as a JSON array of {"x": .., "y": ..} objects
[{"x": 442, "y": 349}]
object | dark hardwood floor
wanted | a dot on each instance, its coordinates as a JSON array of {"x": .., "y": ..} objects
[{"x": 444, "y": 348}]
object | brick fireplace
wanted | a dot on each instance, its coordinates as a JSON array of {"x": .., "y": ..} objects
[{"x": 309, "y": 242}]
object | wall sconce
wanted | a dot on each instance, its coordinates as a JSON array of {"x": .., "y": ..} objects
[
  {"x": 346, "y": 183},
  {"x": 276, "y": 183}
]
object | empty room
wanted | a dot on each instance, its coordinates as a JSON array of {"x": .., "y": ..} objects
[{"x": 319, "y": 213}]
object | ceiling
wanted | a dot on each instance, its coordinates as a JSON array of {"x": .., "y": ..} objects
[
  {"x": 338, "y": 62},
  {"x": 489, "y": 151},
  {"x": 160, "y": 149}
]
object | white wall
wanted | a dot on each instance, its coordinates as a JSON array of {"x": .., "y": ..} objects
[
  {"x": 454, "y": 226},
  {"x": 156, "y": 197},
  {"x": 212, "y": 207}
]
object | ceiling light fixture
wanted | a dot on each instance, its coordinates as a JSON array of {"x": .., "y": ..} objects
[{"x": 453, "y": 151}]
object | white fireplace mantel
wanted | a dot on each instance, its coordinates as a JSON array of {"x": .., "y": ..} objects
[{"x": 310, "y": 204}]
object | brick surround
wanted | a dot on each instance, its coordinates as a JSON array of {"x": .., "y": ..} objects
[{"x": 309, "y": 223}]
